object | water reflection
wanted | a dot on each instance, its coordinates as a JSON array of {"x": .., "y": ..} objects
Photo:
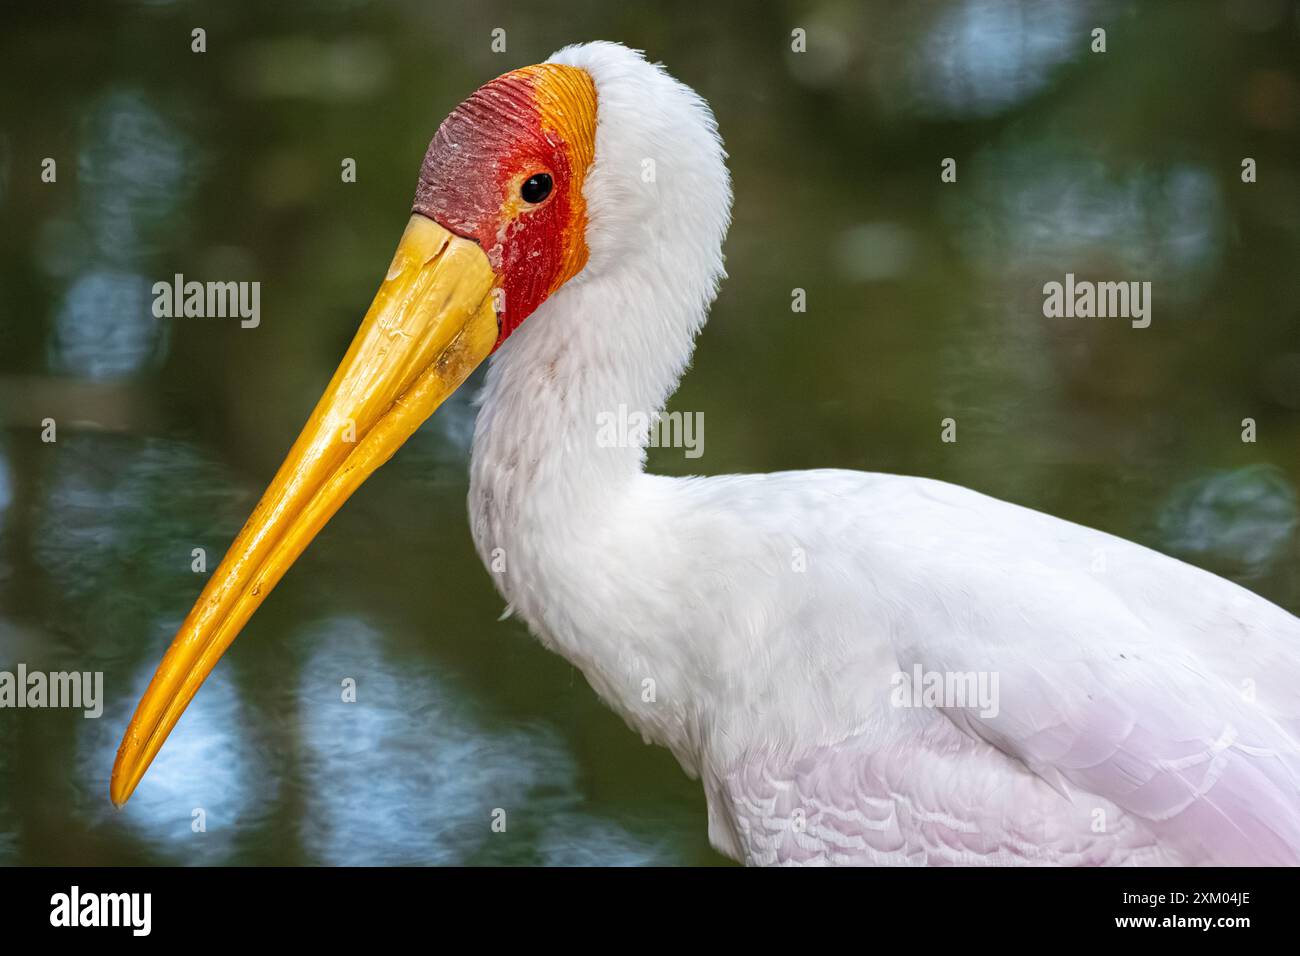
[
  {"x": 572, "y": 840},
  {"x": 6, "y": 491},
  {"x": 982, "y": 56},
  {"x": 115, "y": 520},
  {"x": 210, "y": 775},
  {"x": 114, "y": 526},
  {"x": 1049, "y": 208},
  {"x": 131, "y": 173},
  {"x": 131, "y": 170},
  {"x": 114, "y": 509},
  {"x": 106, "y": 328},
  {"x": 410, "y": 773},
  {"x": 1242, "y": 518}
]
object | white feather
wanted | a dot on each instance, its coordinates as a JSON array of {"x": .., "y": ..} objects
[{"x": 1147, "y": 714}]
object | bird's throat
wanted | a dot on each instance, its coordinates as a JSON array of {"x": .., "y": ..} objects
[{"x": 552, "y": 485}]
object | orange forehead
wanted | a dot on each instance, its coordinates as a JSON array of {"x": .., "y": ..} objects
[{"x": 566, "y": 105}]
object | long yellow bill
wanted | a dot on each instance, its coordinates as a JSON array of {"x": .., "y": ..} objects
[{"x": 432, "y": 322}]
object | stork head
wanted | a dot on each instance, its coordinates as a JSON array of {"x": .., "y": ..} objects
[
  {"x": 536, "y": 181},
  {"x": 506, "y": 170}
]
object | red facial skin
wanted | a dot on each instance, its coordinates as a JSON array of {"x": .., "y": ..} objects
[{"x": 536, "y": 120}]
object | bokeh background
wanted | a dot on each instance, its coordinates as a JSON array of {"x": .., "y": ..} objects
[{"x": 924, "y": 302}]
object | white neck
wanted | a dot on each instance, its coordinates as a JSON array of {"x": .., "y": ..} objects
[
  {"x": 544, "y": 477},
  {"x": 574, "y": 360},
  {"x": 560, "y": 514}
]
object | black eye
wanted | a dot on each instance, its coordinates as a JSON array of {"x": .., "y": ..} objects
[{"x": 536, "y": 188}]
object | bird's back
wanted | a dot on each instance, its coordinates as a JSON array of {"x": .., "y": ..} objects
[{"x": 1095, "y": 701}]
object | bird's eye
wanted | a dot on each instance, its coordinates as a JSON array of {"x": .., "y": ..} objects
[{"x": 536, "y": 188}]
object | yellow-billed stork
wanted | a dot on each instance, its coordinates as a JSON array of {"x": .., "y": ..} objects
[{"x": 1145, "y": 715}]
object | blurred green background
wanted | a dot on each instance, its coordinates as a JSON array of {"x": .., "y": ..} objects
[{"x": 924, "y": 302}]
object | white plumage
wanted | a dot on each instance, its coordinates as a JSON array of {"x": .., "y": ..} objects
[{"x": 1147, "y": 713}]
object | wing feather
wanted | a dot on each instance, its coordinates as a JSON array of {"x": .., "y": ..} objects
[{"x": 1151, "y": 684}]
